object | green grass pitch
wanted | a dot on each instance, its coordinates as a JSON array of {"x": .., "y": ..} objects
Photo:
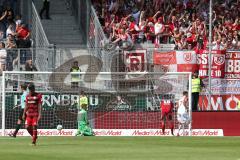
[{"x": 121, "y": 148}]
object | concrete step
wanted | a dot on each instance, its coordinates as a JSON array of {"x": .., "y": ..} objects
[
  {"x": 55, "y": 23},
  {"x": 65, "y": 30},
  {"x": 59, "y": 18},
  {"x": 55, "y": 6},
  {"x": 61, "y": 25},
  {"x": 77, "y": 38},
  {"x": 63, "y": 41},
  {"x": 62, "y": 29},
  {"x": 62, "y": 22},
  {"x": 64, "y": 25},
  {"x": 72, "y": 46},
  {"x": 65, "y": 36},
  {"x": 61, "y": 11}
]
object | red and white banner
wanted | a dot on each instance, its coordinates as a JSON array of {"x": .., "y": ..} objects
[
  {"x": 186, "y": 61},
  {"x": 175, "y": 61},
  {"x": 118, "y": 132},
  {"x": 218, "y": 63},
  {"x": 165, "y": 60},
  {"x": 191, "y": 61},
  {"x": 135, "y": 60}
]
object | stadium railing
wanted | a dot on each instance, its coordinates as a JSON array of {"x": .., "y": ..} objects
[
  {"x": 41, "y": 42},
  {"x": 96, "y": 40},
  {"x": 38, "y": 33},
  {"x": 16, "y": 58}
]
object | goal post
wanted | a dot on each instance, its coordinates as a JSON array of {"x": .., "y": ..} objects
[{"x": 125, "y": 102}]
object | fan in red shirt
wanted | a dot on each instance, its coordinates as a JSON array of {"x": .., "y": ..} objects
[
  {"x": 23, "y": 32},
  {"x": 33, "y": 112},
  {"x": 167, "y": 107}
]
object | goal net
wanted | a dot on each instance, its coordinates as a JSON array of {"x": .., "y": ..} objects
[{"x": 120, "y": 103}]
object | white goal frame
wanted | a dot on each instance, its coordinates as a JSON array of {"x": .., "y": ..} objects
[{"x": 3, "y": 90}]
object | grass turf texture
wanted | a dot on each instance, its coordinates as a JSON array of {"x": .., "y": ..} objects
[{"x": 121, "y": 148}]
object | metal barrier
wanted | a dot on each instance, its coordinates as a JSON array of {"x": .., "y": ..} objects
[
  {"x": 96, "y": 41},
  {"x": 96, "y": 34},
  {"x": 46, "y": 59},
  {"x": 38, "y": 33},
  {"x": 43, "y": 60},
  {"x": 16, "y": 59}
]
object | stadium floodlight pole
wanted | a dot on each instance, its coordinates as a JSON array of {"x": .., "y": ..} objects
[
  {"x": 3, "y": 104},
  {"x": 210, "y": 55}
]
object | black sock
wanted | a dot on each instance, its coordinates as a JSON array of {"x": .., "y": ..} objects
[{"x": 18, "y": 126}]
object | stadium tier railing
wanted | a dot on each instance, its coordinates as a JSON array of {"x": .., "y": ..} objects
[
  {"x": 97, "y": 39},
  {"x": 15, "y": 59},
  {"x": 37, "y": 31},
  {"x": 47, "y": 59},
  {"x": 41, "y": 41}
]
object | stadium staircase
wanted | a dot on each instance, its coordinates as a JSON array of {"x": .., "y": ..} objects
[{"x": 62, "y": 30}]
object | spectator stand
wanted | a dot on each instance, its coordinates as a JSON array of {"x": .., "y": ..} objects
[
  {"x": 15, "y": 38},
  {"x": 182, "y": 23}
]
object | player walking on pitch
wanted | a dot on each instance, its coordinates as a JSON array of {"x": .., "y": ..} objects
[
  {"x": 167, "y": 107},
  {"x": 22, "y": 105},
  {"x": 33, "y": 112},
  {"x": 182, "y": 114}
]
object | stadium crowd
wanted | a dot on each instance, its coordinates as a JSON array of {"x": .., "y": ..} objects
[
  {"x": 13, "y": 34},
  {"x": 183, "y": 22}
]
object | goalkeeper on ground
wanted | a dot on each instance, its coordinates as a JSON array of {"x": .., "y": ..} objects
[{"x": 83, "y": 124}]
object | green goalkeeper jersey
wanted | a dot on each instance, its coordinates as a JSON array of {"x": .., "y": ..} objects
[
  {"x": 83, "y": 128},
  {"x": 83, "y": 116}
]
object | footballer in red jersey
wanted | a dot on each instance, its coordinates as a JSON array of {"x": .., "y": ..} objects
[
  {"x": 166, "y": 108},
  {"x": 32, "y": 112}
]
